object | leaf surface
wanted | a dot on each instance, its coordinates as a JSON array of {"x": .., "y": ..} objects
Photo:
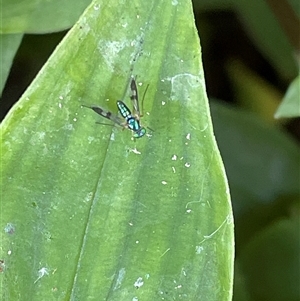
[{"x": 90, "y": 213}]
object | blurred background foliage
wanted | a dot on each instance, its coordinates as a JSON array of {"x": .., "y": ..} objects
[{"x": 251, "y": 61}]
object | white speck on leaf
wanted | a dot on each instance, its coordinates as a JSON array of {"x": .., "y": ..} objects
[
  {"x": 139, "y": 282},
  {"x": 135, "y": 151},
  {"x": 41, "y": 273}
]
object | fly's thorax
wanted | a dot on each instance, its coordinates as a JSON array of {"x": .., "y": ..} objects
[{"x": 133, "y": 124}]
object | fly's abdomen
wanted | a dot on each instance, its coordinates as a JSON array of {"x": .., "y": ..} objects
[
  {"x": 125, "y": 112},
  {"x": 132, "y": 123}
]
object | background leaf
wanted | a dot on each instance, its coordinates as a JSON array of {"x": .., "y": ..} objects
[
  {"x": 257, "y": 147},
  {"x": 262, "y": 165},
  {"x": 39, "y": 16},
  {"x": 8, "y": 46},
  {"x": 278, "y": 243},
  {"x": 89, "y": 213},
  {"x": 290, "y": 106},
  {"x": 268, "y": 35},
  {"x": 262, "y": 27},
  {"x": 251, "y": 90}
]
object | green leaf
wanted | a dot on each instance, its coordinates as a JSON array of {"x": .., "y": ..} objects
[
  {"x": 262, "y": 165},
  {"x": 39, "y": 16},
  {"x": 272, "y": 258},
  {"x": 251, "y": 91},
  {"x": 89, "y": 213},
  {"x": 268, "y": 34},
  {"x": 9, "y": 45},
  {"x": 290, "y": 106},
  {"x": 263, "y": 27},
  {"x": 266, "y": 156}
]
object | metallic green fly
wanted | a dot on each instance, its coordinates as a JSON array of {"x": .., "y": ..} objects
[{"x": 130, "y": 121}]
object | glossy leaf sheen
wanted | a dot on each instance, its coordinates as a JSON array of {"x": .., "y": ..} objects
[{"x": 89, "y": 213}]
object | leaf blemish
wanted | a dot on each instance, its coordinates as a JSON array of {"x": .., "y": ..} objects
[
  {"x": 135, "y": 151},
  {"x": 96, "y": 6},
  {"x": 2, "y": 266},
  {"x": 109, "y": 50},
  {"x": 41, "y": 273},
  {"x": 88, "y": 197},
  {"x": 181, "y": 83},
  {"x": 9, "y": 228},
  {"x": 164, "y": 253},
  {"x": 139, "y": 282},
  {"x": 120, "y": 278},
  {"x": 199, "y": 249},
  {"x": 206, "y": 237}
]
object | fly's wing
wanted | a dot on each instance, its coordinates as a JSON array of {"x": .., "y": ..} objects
[
  {"x": 108, "y": 115},
  {"x": 135, "y": 99}
]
